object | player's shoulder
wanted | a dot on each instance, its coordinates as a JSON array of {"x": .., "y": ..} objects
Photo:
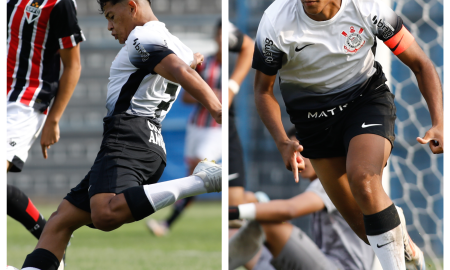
[
  {"x": 152, "y": 32},
  {"x": 367, "y": 7},
  {"x": 66, "y": 3},
  {"x": 281, "y": 13}
]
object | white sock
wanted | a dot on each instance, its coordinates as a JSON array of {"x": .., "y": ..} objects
[
  {"x": 166, "y": 193},
  {"x": 389, "y": 248}
]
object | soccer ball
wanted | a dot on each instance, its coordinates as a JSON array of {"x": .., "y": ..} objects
[{"x": 9, "y": 267}]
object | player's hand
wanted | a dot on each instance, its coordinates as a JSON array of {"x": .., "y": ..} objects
[
  {"x": 50, "y": 136},
  {"x": 290, "y": 151},
  {"x": 198, "y": 60},
  {"x": 217, "y": 116},
  {"x": 435, "y": 138}
]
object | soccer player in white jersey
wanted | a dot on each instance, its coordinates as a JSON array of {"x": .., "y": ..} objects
[
  {"x": 344, "y": 114},
  {"x": 121, "y": 186}
]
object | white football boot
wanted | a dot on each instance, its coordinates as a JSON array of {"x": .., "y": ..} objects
[
  {"x": 211, "y": 174},
  {"x": 414, "y": 259}
]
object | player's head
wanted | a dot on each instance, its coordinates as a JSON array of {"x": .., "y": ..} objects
[
  {"x": 308, "y": 172},
  {"x": 314, "y": 7},
  {"x": 218, "y": 35},
  {"x": 124, "y": 15}
]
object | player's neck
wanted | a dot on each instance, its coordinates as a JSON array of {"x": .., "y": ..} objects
[
  {"x": 146, "y": 17},
  {"x": 326, "y": 13}
]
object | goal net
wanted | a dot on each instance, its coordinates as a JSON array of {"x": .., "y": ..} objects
[{"x": 415, "y": 173}]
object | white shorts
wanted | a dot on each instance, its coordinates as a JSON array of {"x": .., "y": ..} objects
[
  {"x": 23, "y": 125},
  {"x": 203, "y": 142}
]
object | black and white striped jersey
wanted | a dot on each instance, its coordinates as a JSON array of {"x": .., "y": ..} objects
[
  {"x": 134, "y": 87},
  {"x": 37, "y": 29}
]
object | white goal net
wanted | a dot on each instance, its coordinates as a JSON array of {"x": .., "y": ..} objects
[{"x": 415, "y": 173}]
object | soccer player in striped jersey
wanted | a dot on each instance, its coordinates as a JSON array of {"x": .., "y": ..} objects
[
  {"x": 40, "y": 35},
  {"x": 335, "y": 94},
  {"x": 145, "y": 79}
]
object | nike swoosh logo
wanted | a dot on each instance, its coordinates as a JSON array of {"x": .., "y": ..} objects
[
  {"x": 297, "y": 49},
  {"x": 371, "y": 125},
  {"x": 378, "y": 246}
]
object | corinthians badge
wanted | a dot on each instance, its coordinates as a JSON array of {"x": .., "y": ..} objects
[
  {"x": 353, "y": 41},
  {"x": 32, "y": 12}
]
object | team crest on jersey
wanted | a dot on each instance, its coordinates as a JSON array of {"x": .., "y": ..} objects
[
  {"x": 32, "y": 12},
  {"x": 354, "y": 41}
]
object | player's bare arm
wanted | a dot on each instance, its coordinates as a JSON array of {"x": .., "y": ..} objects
[
  {"x": 269, "y": 111},
  {"x": 284, "y": 210},
  {"x": 431, "y": 89},
  {"x": 243, "y": 64},
  {"x": 174, "y": 69},
  {"x": 72, "y": 69}
]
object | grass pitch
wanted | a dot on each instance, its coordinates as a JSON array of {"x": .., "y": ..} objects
[{"x": 193, "y": 243}]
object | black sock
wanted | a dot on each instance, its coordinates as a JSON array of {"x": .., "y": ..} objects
[
  {"x": 20, "y": 208},
  {"x": 138, "y": 202},
  {"x": 233, "y": 212},
  {"x": 178, "y": 209},
  {"x": 382, "y": 222},
  {"x": 41, "y": 259}
]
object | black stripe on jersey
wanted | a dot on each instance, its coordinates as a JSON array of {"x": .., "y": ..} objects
[{"x": 128, "y": 90}]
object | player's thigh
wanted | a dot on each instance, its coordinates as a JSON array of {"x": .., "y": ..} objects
[
  {"x": 277, "y": 235},
  {"x": 333, "y": 176},
  {"x": 23, "y": 125},
  {"x": 366, "y": 158}
]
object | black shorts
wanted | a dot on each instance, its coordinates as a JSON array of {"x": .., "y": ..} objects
[
  {"x": 126, "y": 159},
  {"x": 235, "y": 157},
  {"x": 330, "y": 130}
]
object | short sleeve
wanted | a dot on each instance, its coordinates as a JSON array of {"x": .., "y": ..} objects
[
  {"x": 267, "y": 56},
  {"x": 235, "y": 38},
  {"x": 64, "y": 24},
  {"x": 146, "y": 49},
  {"x": 389, "y": 28},
  {"x": 317, "y": 188}
]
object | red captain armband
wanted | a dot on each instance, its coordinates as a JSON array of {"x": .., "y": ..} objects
[{"x": 400, "y": 41}]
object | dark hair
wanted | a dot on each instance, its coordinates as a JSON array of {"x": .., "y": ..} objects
[
  {"x": 291, "y": 132},
  {"x": 102, "y": 3}
]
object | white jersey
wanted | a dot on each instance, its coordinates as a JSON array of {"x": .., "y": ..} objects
[
  {"x": 318, "y": 59},
  {"x": 134, "y": 87}
]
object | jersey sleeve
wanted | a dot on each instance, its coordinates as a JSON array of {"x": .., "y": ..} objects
[
  {"x": 235, "y": 38},
  {"x": 64, "y": 24},
  {"x": 389, "y": 28},
  {"x": 146, "y": 50},
  {"x": 267, "y": 56},
  {"x": 317, "y": 188}
]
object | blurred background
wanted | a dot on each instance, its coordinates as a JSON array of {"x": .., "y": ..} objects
[
  {"x": 416, "y": 174},
  {"x": 197, "y": 235}
]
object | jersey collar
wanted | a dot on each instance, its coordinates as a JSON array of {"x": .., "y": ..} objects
[{"x": 320, "y": 23}]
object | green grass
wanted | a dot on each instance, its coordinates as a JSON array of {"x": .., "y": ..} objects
[{"x": 193, "y": 243}]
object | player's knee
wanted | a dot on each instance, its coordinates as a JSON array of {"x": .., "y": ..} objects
[{"x": 362, "y": 183}]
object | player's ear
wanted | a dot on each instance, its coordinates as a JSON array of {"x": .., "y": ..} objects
[{"x": 132, "y": 5}]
